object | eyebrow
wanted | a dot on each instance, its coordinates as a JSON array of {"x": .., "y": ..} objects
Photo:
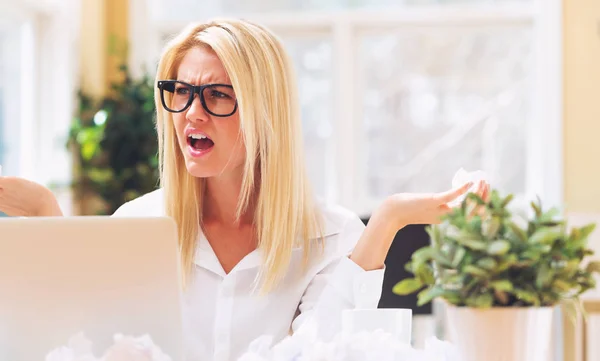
[{"x": 206, "y": 83}]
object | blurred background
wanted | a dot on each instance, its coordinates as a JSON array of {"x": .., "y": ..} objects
[{"x": 396, "y": 96}]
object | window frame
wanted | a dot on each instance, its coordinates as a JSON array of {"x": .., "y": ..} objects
[
  {"x": 48, "y": 36},
  {"x": 544, "y": 131}
]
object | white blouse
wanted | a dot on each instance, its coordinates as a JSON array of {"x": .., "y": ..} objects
[{"x": 222, "y": 314}]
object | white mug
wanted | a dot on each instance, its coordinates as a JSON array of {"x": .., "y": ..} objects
[{"x": 395, "y": 321}]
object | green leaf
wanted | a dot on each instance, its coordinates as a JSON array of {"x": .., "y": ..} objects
[
  {"x": 490, "y": 227},
  {"x": 498, "y": 248},
  {"x": 562, "y": 285},
  {"x": 549, "y": 215},
  {"x": 527, "y": 296},
  {"x": 571, "y": 268},
  {"x": 472, "y": 244},
  {"x": 531, "y": 254},
  {"x": 524, "y": 264},
  {"x": 517, "y": 231},
  {"x": 575, "y": 235},
  {"x": 546, "y": 235},
  {"x": 428, "y": 294},
  {"x": 425, "y": 274},
  {"x": 506, "y": 200},
  {"x": 427, "y": 254},
  {"x": 593, "y": 267},
  {"x": 99, "y": 175},
  {"x": 452, "y": 297},
  {"x": 458, "y": 256},
  {"x": 473, "y": 283},
  {"x": 88, "y": 150},
  {"x": 495, "y": 199},
  {"x": 484, "y": 300},
  {"x": 542, "y": 248},
  {"x": 549, "y": 297},
  {"x": 453, "y": 280},
  {"x": 487, "y": 263},
  {"x": 407, "y": 286},
  {"x": 435, "y": 235},
  {"x": 537, "y": 209},
  {"x": 476, "y": 198},
  {"x": 544, "y": 276},
  {"x": 502, "y": 285},
  {"x": 424, "y": 254},
  {"x": 475, "y": 225},
  {"x": 475, "y": 271},
  {"x": 507, "y": 263},
  {"x": 585, "y": 231}
]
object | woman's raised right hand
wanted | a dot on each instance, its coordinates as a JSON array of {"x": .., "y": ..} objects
[{"x": 20, "y": 197}]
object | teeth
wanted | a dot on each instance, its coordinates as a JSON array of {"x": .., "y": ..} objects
[{"x": 198, "y": 136}]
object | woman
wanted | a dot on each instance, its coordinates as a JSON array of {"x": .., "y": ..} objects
[{"x": 260, "y": 255}]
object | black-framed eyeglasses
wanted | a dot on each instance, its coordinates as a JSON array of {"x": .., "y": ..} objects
[{"x": 217, "y": 99}]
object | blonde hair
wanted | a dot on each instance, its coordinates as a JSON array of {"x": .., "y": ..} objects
[{"x": 274, "y": 178}]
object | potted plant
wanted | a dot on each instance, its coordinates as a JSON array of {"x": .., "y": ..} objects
[
  {"x": 115, "y": 146},
  {"x": 501, "y": 276}
]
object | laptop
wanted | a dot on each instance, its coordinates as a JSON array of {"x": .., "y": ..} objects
[{"x": 99, "y": 276}]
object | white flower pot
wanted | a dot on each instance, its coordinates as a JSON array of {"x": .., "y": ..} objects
[{"x": 501, "y": 334}]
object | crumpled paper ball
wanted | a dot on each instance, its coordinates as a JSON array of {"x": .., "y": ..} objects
[
  {"x": 78, "y": 348},
  {"x": 125, "y": 348},
  {"x": 462, "y": 177},
  {"x": 361, "y": 346},
  {"x": 128, "y": 348},
  {"x": 519, "y": 206}
]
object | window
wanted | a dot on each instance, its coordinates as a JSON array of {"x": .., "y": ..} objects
[
  {"x": 16, "y": 70},
  {"x": 2, "y": 97},
  {"x": 436, "y": 98},
  {"x": 37, "y": 92},
  {"x": 5, "y": 146},
  {"x": 313, "y": 61},
  {"x": 396, "y": 98}
]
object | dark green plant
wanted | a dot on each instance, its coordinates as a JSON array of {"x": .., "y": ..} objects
[
  {"x": 115, "y": 143},
  {"x": 488, "y": 260}
]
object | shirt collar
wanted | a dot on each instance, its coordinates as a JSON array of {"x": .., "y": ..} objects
[{"x": 206, "y": 258}]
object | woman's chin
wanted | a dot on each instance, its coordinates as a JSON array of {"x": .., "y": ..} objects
[{"x": 199, "y": 171}]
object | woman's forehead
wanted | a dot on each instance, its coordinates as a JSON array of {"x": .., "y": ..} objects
[{"x": 201, "y": 65}]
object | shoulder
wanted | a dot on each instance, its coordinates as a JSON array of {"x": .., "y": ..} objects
[
  {"x": 149, "y": 205},
  {"x": 341, "y": 227},
  {"x": 336, "y": 218}
]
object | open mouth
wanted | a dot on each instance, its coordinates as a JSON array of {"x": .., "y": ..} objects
[{"x": 200, "y": 142}]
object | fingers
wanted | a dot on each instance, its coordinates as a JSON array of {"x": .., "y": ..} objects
[
  {"x": 451, "y": 195},
  {"x": 486, "y": 192},
  {"x": 483, "y": 191}
]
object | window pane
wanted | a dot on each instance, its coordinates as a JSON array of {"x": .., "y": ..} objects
[
  {"x": 396, "y": 3},
  {"x": 2, "y": 106},
  {"x": 313, "y": 63},
  {"x": 244, "y": 6},
  {"x": 189, "y": 10},
  {"x": 10, "y": 97},
  {"x": 436, "y": 99}
]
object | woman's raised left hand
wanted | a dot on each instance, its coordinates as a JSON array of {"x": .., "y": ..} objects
[
  {"x": 400, "y": 210},
  {"x": 426, "y": 208}
]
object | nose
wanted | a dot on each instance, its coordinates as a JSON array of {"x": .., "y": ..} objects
[{"x": 196, "y": 112}]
